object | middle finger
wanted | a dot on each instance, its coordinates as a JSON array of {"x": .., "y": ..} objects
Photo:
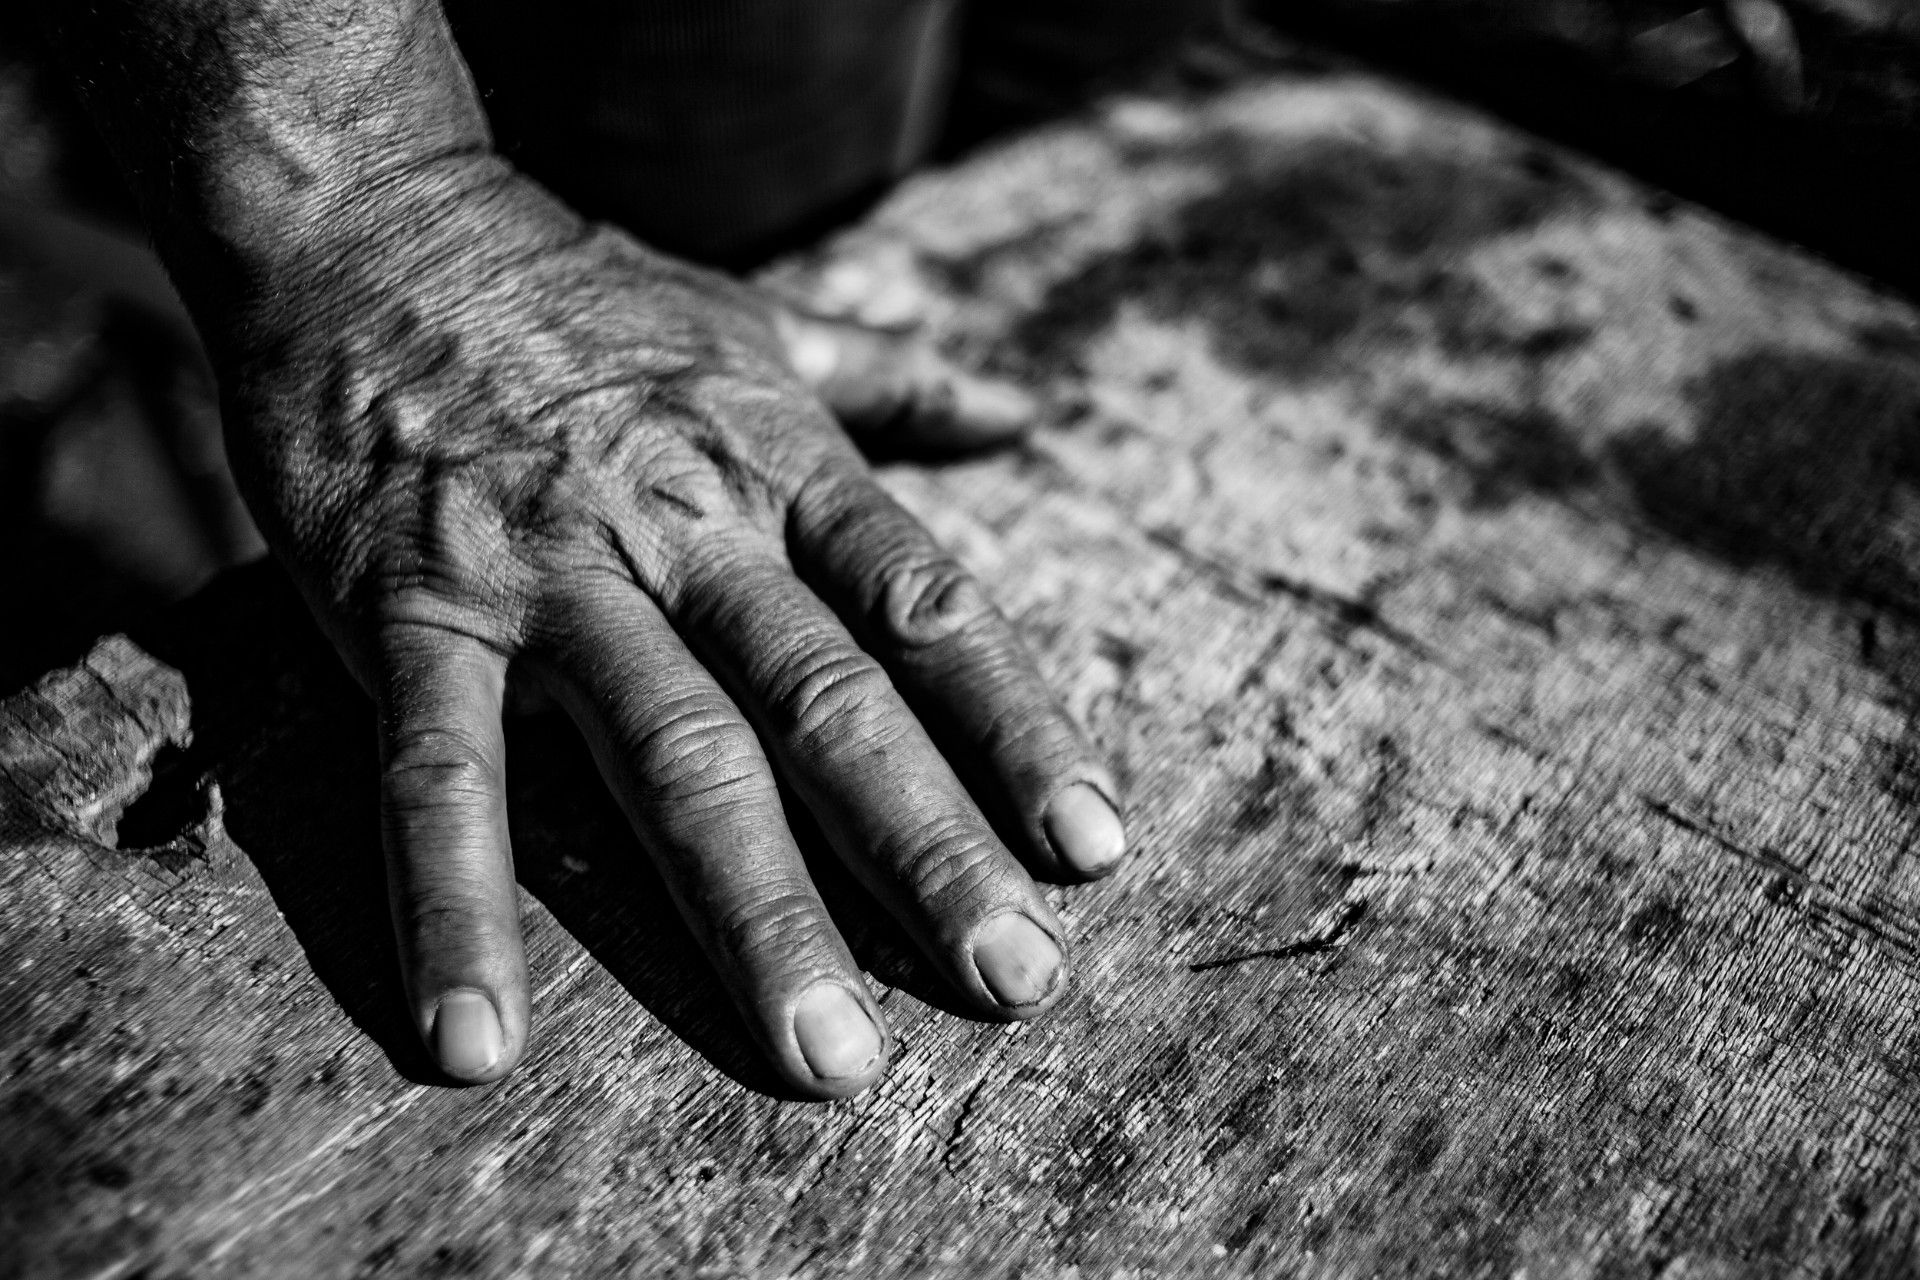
[
  {"x": 692, "y": 778},
  {"x": 884, "y": 795}
]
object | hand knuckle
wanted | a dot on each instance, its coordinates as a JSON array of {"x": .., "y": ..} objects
[
  {"x": 445, "y": 905},
  {"x": 692, "y": 734},
  {"x": 924, "y": 600},
  {"x": 429, "y": 768},
  {"x": 702, "y": 759},
  {"x": 945, "y": 862},
  {"x": 718, "y": 789},
  {"x": 1031, "y": 731},
  {"x": 446, "y": 912},
  {"x": 832, "y": 697},
  {"x": 782, "y": 921}
]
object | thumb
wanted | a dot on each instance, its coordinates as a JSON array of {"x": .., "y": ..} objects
[{"x": 895, "y": 394}]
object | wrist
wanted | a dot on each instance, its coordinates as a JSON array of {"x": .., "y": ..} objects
[
  {"x": 264, "y": 136},
  {"x": 253, "y": 275}
]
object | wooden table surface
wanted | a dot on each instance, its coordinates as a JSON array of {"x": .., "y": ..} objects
[{"x": 1499, "y": 588}]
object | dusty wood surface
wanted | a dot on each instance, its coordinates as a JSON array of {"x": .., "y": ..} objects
[{"x": 1498, "y": 588}]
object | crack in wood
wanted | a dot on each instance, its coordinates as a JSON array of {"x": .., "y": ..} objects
[
  {"x": 960, "y": 1125},
  {"x": 1328, "y": 934}
]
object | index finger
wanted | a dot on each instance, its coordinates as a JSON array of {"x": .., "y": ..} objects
[{"x": 956, "y": 655}]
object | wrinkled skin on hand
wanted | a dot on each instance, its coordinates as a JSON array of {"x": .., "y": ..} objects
[{"x": 515, "y": 438}]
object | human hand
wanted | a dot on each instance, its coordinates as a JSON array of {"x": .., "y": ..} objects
[{"x": 494, "y": 435}]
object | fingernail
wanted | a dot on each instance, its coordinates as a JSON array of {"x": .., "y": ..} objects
[
  {"x": 1085, "y": 831},
  {"x": 466, "y": 1033},
  {"x": 1017, "y": 960},
  {"x": 992, "y": 409},
  {"x": 836, "y": 1036}
]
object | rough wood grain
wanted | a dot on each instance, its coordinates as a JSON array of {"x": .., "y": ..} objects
[{"x": 1498, "y": 587}]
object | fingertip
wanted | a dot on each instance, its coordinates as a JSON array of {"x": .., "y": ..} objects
[
  {"x": 897, "y": 391},
  {"x": 813, "y": 344},
  {"x": 1022, "y": 967},
  {"x": 467, "y": 1038},
  {"x": 841, "y": 1042},
  {"x": 1084, "y": 831},
  {"x": 988, "y": 410}
]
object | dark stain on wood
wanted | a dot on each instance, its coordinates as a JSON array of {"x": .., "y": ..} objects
[
  {"x": 1656, "y": 925},
  {"x": 1795, "y": 458},
  {"x": 1502, "y": 452},
  {"x": 1298, "y": 265}
]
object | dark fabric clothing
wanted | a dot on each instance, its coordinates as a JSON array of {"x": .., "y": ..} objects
[
  {"x": 707, "y": 125},
  {"x": 718, "y": 128}
]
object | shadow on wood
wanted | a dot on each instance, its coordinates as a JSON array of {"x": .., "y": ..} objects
[{"x": 289, "y": 737}]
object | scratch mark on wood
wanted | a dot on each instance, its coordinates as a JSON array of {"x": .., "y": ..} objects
[
  {"x": 1328, "y": 934},
  {"x": 1345, "y": 613},
  {"x": 1899, "y": 937},
  {"x": 1764, "y": 858}
]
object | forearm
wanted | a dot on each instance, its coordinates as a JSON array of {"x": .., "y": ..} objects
[{"x": 260, "y": 135}]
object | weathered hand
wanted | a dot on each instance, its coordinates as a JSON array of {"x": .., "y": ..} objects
[{"x": 498, "y": 435}]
